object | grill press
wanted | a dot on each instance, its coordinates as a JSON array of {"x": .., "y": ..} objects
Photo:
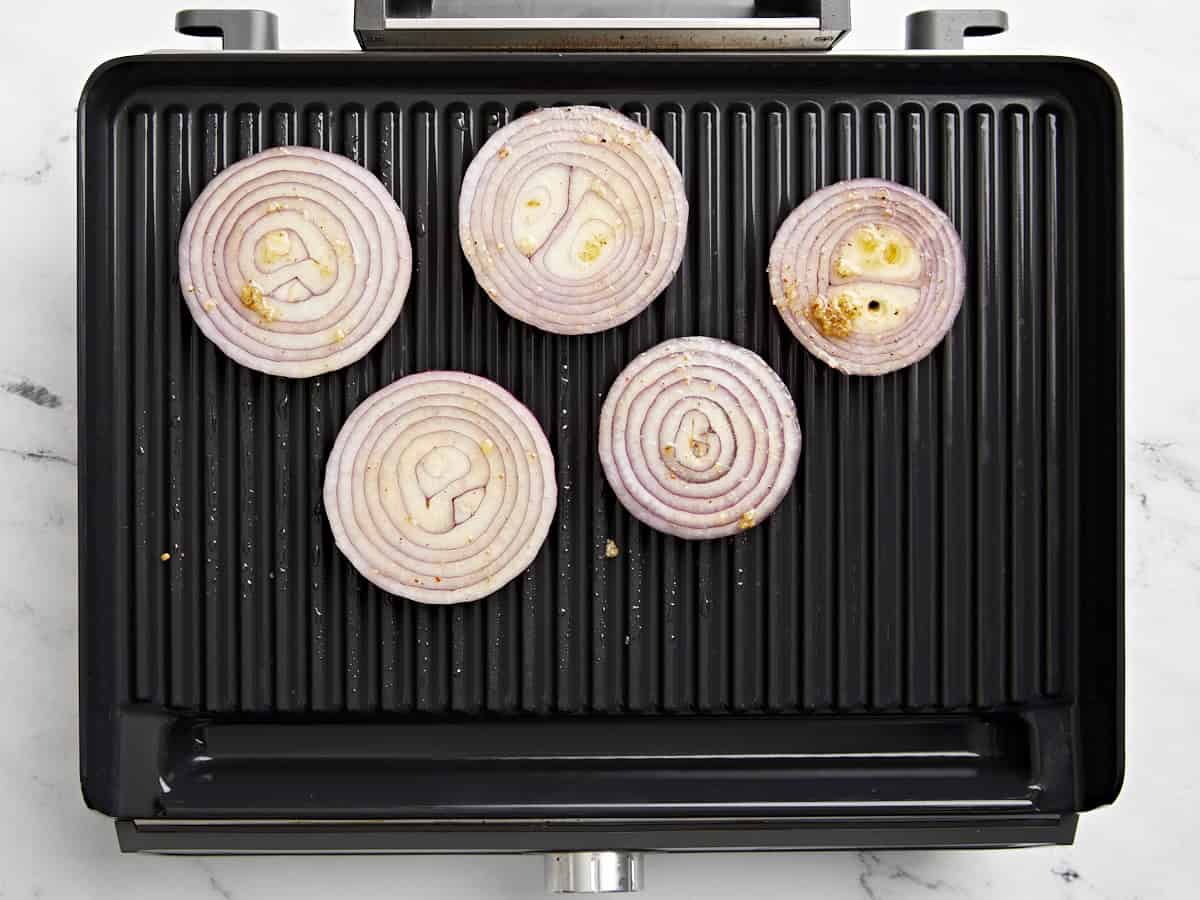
[{"x": 922, "y": 647}]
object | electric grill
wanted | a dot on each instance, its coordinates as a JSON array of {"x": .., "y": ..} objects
[{"x": 921, "y": 648}]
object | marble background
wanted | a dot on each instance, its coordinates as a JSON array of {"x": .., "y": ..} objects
[{"x": 50, "y": 846}]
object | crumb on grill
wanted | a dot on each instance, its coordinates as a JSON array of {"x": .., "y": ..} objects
[{"x": 611, "y": 550}]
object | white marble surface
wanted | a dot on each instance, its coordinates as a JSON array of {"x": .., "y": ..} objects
[{"x": 50, "y": 846}]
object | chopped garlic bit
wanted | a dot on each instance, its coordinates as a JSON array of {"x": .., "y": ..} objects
[
  {"x": 845, "y": 268},
  {"x": 611, "y": 550},
  {"x": 746, "y": 520},
  {"x": 165, "y": 557},
  {"x": 836, "y": 318},
  {"x": 210, "y": 305},
  {"x": 592, "y": 248},
  {"x": 503, "y": 152},
  {"x": 275, "y": 247},
  {"x": 251, "y": 294},
  {"x": 486, "y": 445},
  {"x": 338, "y": 336},
  {"x": 252, "y": 298},
  {"x": 668, "y": 450}
]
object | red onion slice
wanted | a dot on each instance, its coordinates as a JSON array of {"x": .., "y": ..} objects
[
  {"x": 699, "y": 438},
  {"x": 295, "y": 261},
  {"x": 869, "y": 275},
  {"x": 574, "y": 218},
  {"x": 440, "y": 488}
]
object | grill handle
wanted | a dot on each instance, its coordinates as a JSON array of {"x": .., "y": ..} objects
[{"x": 627, "y": 25}]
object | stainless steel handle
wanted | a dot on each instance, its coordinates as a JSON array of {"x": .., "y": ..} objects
[
  {"x": 594, "y": 872},
  {"x": 624, "y": 25},
  {"x": 945, "y": 29}
]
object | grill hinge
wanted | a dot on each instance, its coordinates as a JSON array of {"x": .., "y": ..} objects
[
  {"x": 238, "y": 29},
  {"x": 945, "y": 29}
]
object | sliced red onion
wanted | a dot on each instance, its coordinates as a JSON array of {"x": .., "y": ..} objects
[
  {"x": 869, "y": 275},
  {"x": 295, "y": 261},
  {"x": 699, "y": 438},
  {"x": 440, "y": 488},
  {"x": 573, "y": 218}
]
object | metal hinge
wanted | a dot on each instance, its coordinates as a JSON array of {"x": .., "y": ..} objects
[
  {"x": 945, "y": 29},
  {"x": 561, "y": 25},
  {"x": 238, "y": 29}
]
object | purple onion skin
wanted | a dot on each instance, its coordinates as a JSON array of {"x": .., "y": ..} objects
[
  {"x": 851, "y": 307},
  {"x": 699, "y": 438}
]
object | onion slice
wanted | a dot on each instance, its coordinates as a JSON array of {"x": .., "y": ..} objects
[
  {"x": 295, "y": 261},
  {"x": 440, "y": 488},
  {"x": 699, "y": 438},
  {"x": 573, "y": 218},
  {"x": 869, "y": 275}
]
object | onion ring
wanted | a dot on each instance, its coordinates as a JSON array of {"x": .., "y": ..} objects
[
  {"x": 573, "y": 218},
  {"x": 869, "y": 275},
  {"x": 294, "y": 261},
  {"x": 699, "y": 438},
  {"x": 440, "y": 488}
]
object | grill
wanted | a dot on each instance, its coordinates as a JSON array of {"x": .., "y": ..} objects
[{"x": 922, "y": 647}]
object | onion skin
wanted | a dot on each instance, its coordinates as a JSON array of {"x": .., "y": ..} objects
[
  {"x": 295, "y": 261},
  {"x": 699, "y": 438},
  {"x": 574, "y": 219},
  {"x": 855, "y": 309},
  {"x": 440, "y": 488}
]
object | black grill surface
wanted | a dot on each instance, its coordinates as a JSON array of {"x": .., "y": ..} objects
[{"x": 952, "y": 541}]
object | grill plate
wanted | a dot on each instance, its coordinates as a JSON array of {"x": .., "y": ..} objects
[{"x": 929, "y": 559}]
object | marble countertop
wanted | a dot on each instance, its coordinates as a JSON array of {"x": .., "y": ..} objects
[{"x": 51, "y": 846}]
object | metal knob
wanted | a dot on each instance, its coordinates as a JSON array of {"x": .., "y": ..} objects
[{"x": 594, "y": 872}]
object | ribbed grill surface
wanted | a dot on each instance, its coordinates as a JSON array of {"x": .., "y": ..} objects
[{"x": 922, "y": 559}]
